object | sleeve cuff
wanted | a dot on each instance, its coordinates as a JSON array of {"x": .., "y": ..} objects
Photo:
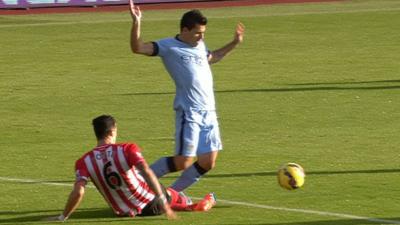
[{"x": 155, "y": 48}]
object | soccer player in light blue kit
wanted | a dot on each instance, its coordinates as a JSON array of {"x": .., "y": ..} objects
[{"x": 188, "y": 60}]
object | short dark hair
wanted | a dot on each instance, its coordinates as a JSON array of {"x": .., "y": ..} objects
[
  {"x": 191, "y": 18},
  {"x": 103, "y": 126}
]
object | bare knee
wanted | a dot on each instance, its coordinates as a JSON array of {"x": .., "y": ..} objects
[
  {"x": 182, "y": 162},
  {"x": 207, "y": 161},
  {"x": 207, "y": 165}
]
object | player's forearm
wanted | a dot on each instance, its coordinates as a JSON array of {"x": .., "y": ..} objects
[
  {"x": 154, "y": 185},
  {"x": 152, "y": 181},
  {"x": 74, "y": 200},
  {"x": 136, "y": 42},
  {"x": 219, "y": 54}
]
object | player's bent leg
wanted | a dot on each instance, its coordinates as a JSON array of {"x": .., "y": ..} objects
[
  {"x": 188, "y": 177},
  {"x": 182, "y": 162},
  {"x": 207, "y": 161},
  {"x": 206, "y": 203},
  {"x": 170, "y": 164},
  {"x": 193, "y": 173},
  {"x": 179, "y": 201}
]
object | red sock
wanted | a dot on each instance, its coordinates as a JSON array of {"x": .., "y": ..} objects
[{"x": 179, "y": 202}]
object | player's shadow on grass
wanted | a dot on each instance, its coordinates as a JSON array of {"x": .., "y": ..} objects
[
  {"x": 95, "y": 215},
  {"x": 351, "y": 82},
  {"x": 314, "y": 87},
  {"x": 273, "y": 173},
  {"x": 27, "y": 212},
  {"x": 333, "y": 222},
  {"x": 302, "y": 89},
  {"x": 25, "y": 216}
]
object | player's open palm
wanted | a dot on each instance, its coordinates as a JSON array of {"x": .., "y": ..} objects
[{"x": 135, "y": 11}]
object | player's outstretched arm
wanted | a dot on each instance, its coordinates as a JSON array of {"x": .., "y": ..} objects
[
  {"x": 137, "y": 45},
  {"x": 218, "y": 54},
  {"x": 73, "y": 202}
]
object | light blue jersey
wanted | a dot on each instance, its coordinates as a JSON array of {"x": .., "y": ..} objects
[
  {"x": 197, "y": 128},
  {"x": 189, "y": 68}
]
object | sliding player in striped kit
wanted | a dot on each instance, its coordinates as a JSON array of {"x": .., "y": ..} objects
[{"x": 122, "y": 176}]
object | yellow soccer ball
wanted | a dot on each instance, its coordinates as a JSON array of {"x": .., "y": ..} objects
[{"x": 291, "y": 176}]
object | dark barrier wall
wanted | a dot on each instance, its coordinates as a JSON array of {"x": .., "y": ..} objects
[{"x": 7, "y": 4}]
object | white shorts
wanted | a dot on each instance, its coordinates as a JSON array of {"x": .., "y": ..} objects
[{"x": 197, "y": 133}]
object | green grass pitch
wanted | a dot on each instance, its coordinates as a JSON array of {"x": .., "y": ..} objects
[{"x": 317, "y": 84}]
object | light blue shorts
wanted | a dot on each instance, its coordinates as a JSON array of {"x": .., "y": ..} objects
[{"x": 197, "y": 133}]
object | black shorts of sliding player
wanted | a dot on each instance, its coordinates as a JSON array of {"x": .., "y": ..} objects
[{"x": 154, "y": 207}]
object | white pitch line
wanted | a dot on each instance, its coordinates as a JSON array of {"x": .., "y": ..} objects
[
  {"x": 38, "y": 182},
  {"x": 305, "y": 211},
  {"x": 216, "y": 17}
]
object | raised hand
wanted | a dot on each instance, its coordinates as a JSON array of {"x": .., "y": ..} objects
[
  {"x": 239, "y": 33},
  {"x": 135, "y": 11}
]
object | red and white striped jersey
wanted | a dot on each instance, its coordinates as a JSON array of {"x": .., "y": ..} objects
[{"x": 112, "y": 170}]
